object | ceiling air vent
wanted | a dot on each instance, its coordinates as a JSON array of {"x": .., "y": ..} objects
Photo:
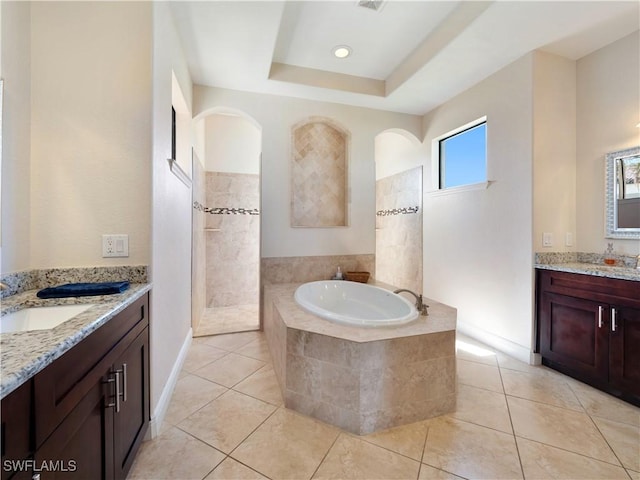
[{"x": 375, "y": 5}]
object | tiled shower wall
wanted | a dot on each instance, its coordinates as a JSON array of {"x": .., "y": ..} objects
[
  {"x": 318, "y": 175},
  {"x": 199, "y": 255},
  {"x": 232, "y": 232},
  {"x": 399, "y": 229}
]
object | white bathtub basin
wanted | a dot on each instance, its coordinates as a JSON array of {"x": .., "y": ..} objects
[
  {"x": 40, "y": 318},
  {"x": 356, "y": 304}
]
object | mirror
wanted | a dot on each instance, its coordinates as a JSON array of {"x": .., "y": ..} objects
[{"x": 623, "y": 194}]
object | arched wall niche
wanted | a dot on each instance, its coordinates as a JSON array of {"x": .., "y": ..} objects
[{"x": 319, "y": 173}]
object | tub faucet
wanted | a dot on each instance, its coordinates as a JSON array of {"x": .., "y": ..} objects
[{"x": 421, "y": 307}]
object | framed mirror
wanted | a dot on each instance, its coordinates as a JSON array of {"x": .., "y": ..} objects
[{"x": 622, "y": 203}]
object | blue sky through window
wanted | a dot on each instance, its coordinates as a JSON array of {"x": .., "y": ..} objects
[{"x": 463, "y": 158}]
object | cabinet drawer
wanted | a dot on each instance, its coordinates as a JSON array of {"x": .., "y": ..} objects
[
  {"x": 60, "y": 387},
  {"x": 590, "y": 287}
]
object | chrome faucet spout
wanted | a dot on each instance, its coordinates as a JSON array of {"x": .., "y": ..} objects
[{"x": 420, "y": 306}]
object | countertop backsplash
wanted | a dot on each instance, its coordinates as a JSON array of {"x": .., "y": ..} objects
[{"x": 19, "y": 282}]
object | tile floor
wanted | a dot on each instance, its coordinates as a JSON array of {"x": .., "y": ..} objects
[
  {"x": 227, "y": 421},
  {"x": 219, "y": 320}
]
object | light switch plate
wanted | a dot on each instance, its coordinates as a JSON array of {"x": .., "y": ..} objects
[
  {"x": 115, "y": 245},
  {"x": 547, "y": 239}
]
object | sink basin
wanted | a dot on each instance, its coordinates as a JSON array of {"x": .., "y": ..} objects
[{"x": 40, "y": 318}]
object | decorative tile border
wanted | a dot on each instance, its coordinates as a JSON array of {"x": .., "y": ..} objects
[
  {"x": 397, "y": 211},
  {"x": 225, "y": 210}
]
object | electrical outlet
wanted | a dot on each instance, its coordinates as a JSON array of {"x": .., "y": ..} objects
[
  {"x": 115, "y": 245},
  {"x": 547, "y": 239}
]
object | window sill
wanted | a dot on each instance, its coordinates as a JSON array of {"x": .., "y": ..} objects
[
  {"x": 460, "y": 189},
  {"x": 179, "y": 172}
]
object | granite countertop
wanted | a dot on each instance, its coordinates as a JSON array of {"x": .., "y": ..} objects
[
  {"x": 23, "y": 354},
  {"x": 441, "y": 318},
  {"x": 598, "y": 270}
]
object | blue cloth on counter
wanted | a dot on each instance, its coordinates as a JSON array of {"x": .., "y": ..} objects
[{"x": 83, "y": 289}]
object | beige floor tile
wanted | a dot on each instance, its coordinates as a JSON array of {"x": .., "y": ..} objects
[
  {"x": 227, "y": 420},
  {"x": 232, "y": 341},
  {"x": 220, "y": 320},
  {"x": 543, "y": 461},
  {"x": 263, "y": 385},
  {"x": 191, "y": 394},
  {"x": 510, "y": 363},
  {"x": 603, "y": 405},
  {"x": 427, "y": 472},
  {"x": 230, "y": 369},
  {"x": 174, "y": 454},
  {"x": 482, "y": 407},
  {"x": 407, "y": 440},
  {"x": 624, "y": 439},
  {"x": 353, "y": 458},
  {"x": 471, "y": 451},
  {"x": 474, "y": 351},
  {"x": 230, "y": 469},
  {"x": 559, "y": 427},
  {"x": 479, "y": 375},
  {"x": 199, "y": 355},
  {"x": 540, "y": 388},
  {"x": 258, "y": 349},
  {"x": 287, "y": 445},
  {"x": 633, "y": 474}
]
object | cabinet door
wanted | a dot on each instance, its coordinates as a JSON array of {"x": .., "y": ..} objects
[
  {"x": 131, "y": 422},
  {"x": 624, "y": 369},
  {"x": 574, "y": 336},
  {"x": 15, "y": 436},
  {"x": 82, "y": 445}
]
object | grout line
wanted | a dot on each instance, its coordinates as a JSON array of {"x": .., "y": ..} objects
[
  {"x": 513, "y": 430},
  {"x": 324, "y": 457}
]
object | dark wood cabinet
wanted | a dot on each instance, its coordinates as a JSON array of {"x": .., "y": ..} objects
[
  {"x": 88, "y": 411},
  {"x": 589, "y": 328},
  {"x": 15, "y": 433}
]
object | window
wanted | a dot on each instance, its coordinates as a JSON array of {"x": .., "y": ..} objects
[{"x": 463, "y": 155}]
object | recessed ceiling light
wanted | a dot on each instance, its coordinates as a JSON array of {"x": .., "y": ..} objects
[{"x": 342, "y": 51}]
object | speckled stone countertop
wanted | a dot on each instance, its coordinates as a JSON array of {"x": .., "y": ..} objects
[
  {"x": 441, "y": 318},
  {"x": 23, "y": 354},
  {"x": 588, "y": 264}
]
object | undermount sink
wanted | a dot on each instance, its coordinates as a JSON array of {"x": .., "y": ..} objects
[{"x": 40, "y": 318}]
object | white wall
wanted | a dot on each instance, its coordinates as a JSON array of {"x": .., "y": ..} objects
[
  {"x": 276, "y": 114},
  {"x": 16, "y": 132},
  {"x": 396, "y": 152},
  {"x": 607, "y": 114},
  {"x": 90, "y": 131},
  {"x": 232, "y": 144},
  {"x": 477, "y": 244},
  {"x": 171, "y": 219},
  {"x": 554, "y": 151}
]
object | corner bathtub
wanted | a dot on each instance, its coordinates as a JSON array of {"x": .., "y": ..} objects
[{"x": 357, "y": 304}]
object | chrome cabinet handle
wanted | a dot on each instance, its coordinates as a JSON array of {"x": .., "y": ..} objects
[
  {"x": 110, "y": 380},
  {"x": 599, "y": 316},
  {"x": 613, "y": 319},
  {"x": 124, "y": 382},
  {"x": 117, "y": 372}
]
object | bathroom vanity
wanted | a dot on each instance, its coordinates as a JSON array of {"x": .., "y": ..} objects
[
  {"x": 588, "y": 327},
  {"x": 84, "y": 413}
]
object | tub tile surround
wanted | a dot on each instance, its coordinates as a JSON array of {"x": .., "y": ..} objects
[
  {"x": 312, "y": 268},
  {"x": 361, "y": 379},
  {"x": 588, "y": 264}
]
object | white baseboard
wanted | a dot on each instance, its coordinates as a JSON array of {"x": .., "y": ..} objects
[
  {"x": 157, "y": 416},
  {"x": 505, "y": 346}
]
